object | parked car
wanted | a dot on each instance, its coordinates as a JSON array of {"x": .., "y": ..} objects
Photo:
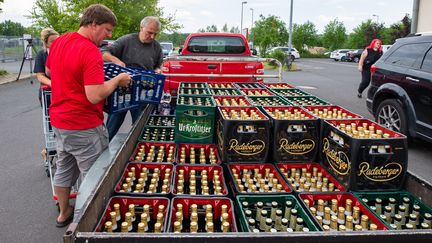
[
  {"x": 294, "y": 54},
  {"x": 167, "y": 48},
  {"x": 339, "y": 54},
  {"x": 400, "y": 96},
  {"x": 354, "y": 55}
]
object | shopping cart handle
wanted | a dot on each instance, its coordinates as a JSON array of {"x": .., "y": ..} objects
[{"x": 45, "y": 87}]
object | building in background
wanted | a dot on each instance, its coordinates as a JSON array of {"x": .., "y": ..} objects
[{"x": 421, "y": 17}]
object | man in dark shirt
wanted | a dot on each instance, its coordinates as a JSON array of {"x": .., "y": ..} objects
[{"x": 138, "y": 50}]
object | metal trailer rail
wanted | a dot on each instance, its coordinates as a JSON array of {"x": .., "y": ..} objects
[
  {"x": 225, "y": 59},
  {"x": 99, "y": 184}
]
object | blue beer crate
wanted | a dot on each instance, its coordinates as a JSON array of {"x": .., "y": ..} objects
[
  {"x": 122, "y": 98},
  {"x": 150, "y": 87}
]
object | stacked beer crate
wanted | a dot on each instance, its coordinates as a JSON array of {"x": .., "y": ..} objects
[{"x": 268, "y": 157}]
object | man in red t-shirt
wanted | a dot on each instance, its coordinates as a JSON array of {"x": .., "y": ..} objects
[{"x": 78, "y": 93}]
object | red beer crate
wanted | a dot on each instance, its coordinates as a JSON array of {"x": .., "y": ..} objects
[
  {"x": 231, "y": 101},
  {"x": 257, "y": 92},
  {"x": 160, "y": 186},
  {"x": 339, "y": 208},
  {"x": 242, "y": 139},
  {"x": 215, "y": 181},
  {"x": 153, "y": 152},
  {"x": 151, "y": 206},
  {"x": 157, "y": 134},
  {"x": 331, "y": 112},
  {"x": 278, "y": 86},
  {"x": 252, "y": 179},
  {"x": 363, "y": 160},
  {"x": 200, "y": 154},
  {"x": 295, "y": 134},
  {"x": 187, "y": 206},
  {"x": 314, "y": 176}
]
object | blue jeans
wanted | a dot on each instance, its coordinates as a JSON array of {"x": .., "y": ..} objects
[{"x": 115, "y": 120}]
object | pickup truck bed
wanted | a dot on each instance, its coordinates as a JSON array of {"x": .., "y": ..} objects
[{"x": 99, "y": 186}]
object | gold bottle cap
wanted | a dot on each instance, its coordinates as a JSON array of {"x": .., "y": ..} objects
[
  {"x": 124, "y": 227},
  {"x": 157, "y": 227},
  {"x": 108, "y": 226},
  {"x": 210, "y": 227},
  {"x": 194, "y": 216},
  {"x": 193, "y": 227},
  {"x": 144, "y": 217},
  {"x": 141, "y": 227}
]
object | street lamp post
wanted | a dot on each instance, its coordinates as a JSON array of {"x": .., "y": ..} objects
[
  {"x": 252, "y": 18},
  {"x": 377, "y": 16},
  {"x": 241, "y": 21},
  {"x": 290, "y": 37}
]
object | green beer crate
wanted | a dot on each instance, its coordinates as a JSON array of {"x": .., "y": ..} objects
[
  {"x": 268, "y": 101},
  {"x": 195, "y": 117},
  {"x": 306, "y": 100},
  {"x": 226, "y": 92},
  {"x": 193, "y": 91},
  {"x": 290, "y": 92},
  {"x": 244, "y": 203},
  {"x": 194, "y": 85},
  {"x": 380, "y": 203}
]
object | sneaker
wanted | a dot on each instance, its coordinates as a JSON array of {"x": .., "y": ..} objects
[{"x": 359, "y": 95}]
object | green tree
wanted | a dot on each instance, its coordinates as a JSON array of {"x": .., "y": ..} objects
[
  {"x": 1, "y": 2},
  {"x": 399, "y": 29},
  {"x": 268, "y": 32},
  {"x": 234, "y": 29},
  {"x": 10, "y": 28},
  {"x": 304, "y": 35},
  {"x": 225, "y": 28},
  {"x": 334, "y": 35},
  {"x": 63, "y": 15},
  {"x": 363, "y": 34}
]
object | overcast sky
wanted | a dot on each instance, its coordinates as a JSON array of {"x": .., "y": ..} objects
[{"x": 196, "y": 14}]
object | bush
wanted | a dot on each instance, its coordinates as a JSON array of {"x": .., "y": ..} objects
[
  {"x": 278, "y": 55},
  {"x": 310, "y": 55},
  {"x": 3, "y": 72}
]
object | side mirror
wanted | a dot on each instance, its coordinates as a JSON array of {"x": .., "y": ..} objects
[{"x": 254, "y": 52}]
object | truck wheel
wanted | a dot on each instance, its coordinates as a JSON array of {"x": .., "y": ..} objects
[
  {"x": 356, "y": 59},
  {"x": 391, "y": 115},
  {"x": 292, "y": 58},
  {"x": 343, "y": 59}
]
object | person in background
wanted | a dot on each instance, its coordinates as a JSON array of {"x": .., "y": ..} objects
[
  {"x": 368, "y": 57},
  {"x": 78, "y": 93},
  {"x": 138, "y": 50},
  {"x": 48, "y": 36}
]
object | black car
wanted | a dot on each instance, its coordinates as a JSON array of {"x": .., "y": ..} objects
[{"x": 400, "y": 96}]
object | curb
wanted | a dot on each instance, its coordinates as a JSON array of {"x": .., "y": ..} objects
[{"x": 9, "y": 78}]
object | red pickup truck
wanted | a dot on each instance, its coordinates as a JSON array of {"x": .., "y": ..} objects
[{"x": 212, "y": 57}]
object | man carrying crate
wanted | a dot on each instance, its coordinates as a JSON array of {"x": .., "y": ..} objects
[
  {"x": 138, "y": 50},
  {"x": 78, "y": 94}
]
